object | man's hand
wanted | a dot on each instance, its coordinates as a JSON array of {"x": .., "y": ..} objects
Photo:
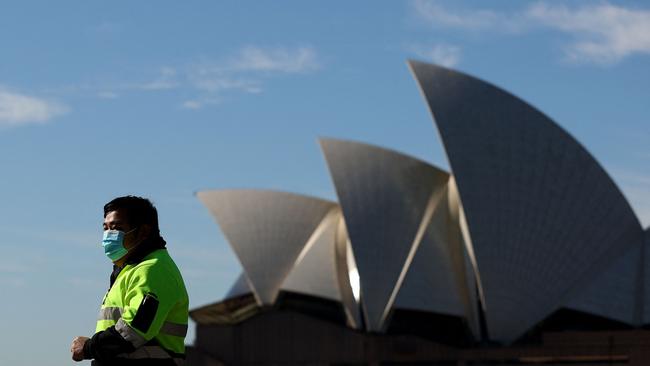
[{"x": 77, "y": 348}]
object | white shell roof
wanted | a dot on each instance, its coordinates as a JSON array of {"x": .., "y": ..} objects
[
  {"x": 267, "y": 230},
  {"x": 314, "y": 272},
  {"x": 541, "y": 212},
  {"x": 387, "y": 200},
  {"x": 439, "y": 279}
]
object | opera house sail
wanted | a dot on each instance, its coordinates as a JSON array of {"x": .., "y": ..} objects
[{"x": 543, "y": 215}]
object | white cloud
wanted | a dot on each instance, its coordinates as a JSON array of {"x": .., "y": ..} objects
[
  {"x": 282, "y": 60},
  {"x": 106, "y": 94},
  {"x": 19, "y": 109},
  {"x": 165, "y": 80},
  {"x": 217, "y": 82},
  {"x": 602, "y": 33},
  {"x": 435, "y": 14},
  {"x": 200, "y": 102},
  {"x": 442, "y": 54},
  {"x": 192, "y": 104},
  {"x": 246, "y": 72}
]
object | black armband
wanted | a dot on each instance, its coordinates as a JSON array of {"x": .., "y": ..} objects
[
  {"x": 106, "y": 345},
  {"x": 146, "y": 313}
]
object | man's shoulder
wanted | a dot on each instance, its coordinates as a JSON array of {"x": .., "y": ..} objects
[
  {"x": 158, "y": 265},
  {"x": 158, "y": 260}
]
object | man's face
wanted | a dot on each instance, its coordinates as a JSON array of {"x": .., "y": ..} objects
[{"x": 116, "y": 220}]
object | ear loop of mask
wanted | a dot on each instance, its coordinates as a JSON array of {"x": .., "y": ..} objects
[{"x": 129, "y": 250}]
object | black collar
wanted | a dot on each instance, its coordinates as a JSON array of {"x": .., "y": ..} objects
[
  {"x": 144, "y": 249},
  {"x": 139, "y": 253}
]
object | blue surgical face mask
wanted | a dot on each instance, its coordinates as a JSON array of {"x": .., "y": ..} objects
[{"x": 113, "y": 243}]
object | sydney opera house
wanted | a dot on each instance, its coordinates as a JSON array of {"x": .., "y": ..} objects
[{"x": 524, "y": 253}]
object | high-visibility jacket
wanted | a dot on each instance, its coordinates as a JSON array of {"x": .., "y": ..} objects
[{"x": 148, "y": 305}]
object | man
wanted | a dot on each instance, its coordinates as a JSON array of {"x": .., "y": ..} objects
[{"x": 143, "y": 317}]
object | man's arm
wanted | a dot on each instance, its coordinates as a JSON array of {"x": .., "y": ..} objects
[
  {"x": 103, "y": 345},
  {"x": 77, "y": 348}
]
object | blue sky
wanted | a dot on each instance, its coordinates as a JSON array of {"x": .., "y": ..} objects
[{"x": 162, "y": 99}]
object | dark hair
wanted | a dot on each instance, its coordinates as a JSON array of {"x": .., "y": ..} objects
[{"x": 137, "y": 210}]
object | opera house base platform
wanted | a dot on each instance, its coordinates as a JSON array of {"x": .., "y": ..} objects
[{"x": 240, "y": 333}]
